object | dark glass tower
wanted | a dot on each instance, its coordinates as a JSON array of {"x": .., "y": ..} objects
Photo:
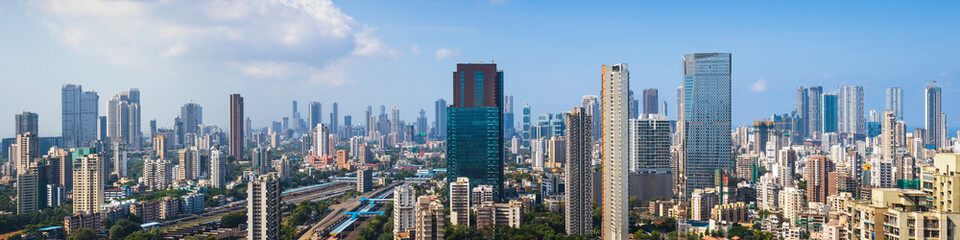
[{"x": 475, "y": 127}]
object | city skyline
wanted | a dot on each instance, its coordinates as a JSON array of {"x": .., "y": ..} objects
[{"x": 391, "y": 52}]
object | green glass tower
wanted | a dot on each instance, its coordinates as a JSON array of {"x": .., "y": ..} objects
[{"x": 475, "y": 127}]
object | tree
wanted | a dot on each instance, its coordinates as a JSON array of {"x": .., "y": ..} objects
[
  {"x": 232, "y": 220},
  {"x": 83, "y": 234},
  {"x": 123, "y": 228},
  {"x": 145, "y": 235},
  {"x": 740, "y": 231}
]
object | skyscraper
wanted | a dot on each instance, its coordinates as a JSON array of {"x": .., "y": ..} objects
[
  {"x": 814, "y": 112},
  {"x": 526, "y": 121},
  {"x": 592, "y": 109},
  {"x": 88, "y": 183},
  {"x": 191, "y": 114},
  {"x": 634, "y": 104},
  {"x": 422, "y": 122},
  {"x": 579, "y": 173},
  {"x": 123, "y": 119},
  {"x": 440, "y": 118},
  {"x": 850, "y": 108},
  {"x": 26, "y": 122},
  {"x": 508, "y": 116},
  {"x": 316, "y": 114},
  {"x": 895, "y": 102},
  {"x": 616, "y": 106},
  {"x": 650, "y": 101},
  {"x": 334, "y": 121},
  {"x": 396, "y": 125},
  {"x": 829, "y": 109},
  {"x": 705, "y": 120},
  {"x": 475, "y": 126},
  {"x": 236, "y": 126},
  {"x": 79, "y": 116},
  {"x": 932, "y": 116},
  {"x": 803, "y": 112},
  {"x": 263, "y": 207}
]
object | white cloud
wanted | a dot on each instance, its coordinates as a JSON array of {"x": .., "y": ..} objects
[
  {"x": 308, "y": 33},
  {"x": 415, "y": 50},
  {"x": 759, "y": 86},
  {"x": 445, "y": 53}
]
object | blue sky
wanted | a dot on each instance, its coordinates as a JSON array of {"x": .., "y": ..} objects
[{"x": 402, "y": 53}]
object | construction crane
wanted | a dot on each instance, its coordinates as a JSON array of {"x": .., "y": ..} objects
[{"x": 932, "y": 82}]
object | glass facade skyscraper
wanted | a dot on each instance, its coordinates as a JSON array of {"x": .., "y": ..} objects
[
  {"x": 475, "y": 127},
  {"x": 705, "y": 120},
  {"x": 895, "y": 102},
  {"x": 828, "y": 118}
]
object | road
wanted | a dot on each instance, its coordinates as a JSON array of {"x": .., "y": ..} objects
[{"x": 319, "y": 193}]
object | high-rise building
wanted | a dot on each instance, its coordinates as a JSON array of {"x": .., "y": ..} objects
[
  {"x": 236, "y": 126},
  {"x": 404, "y": 210},
  {"x": 364, "y": 180},
  {"x": 88, "y": 180},
  {"x": 28, "y": 190},
  {"x": 61, "y": 161},
  {"x": 705, "y": 144},
  {"x": 460, "y": 201},
  {"x": 79, "y": 119},
  {"x": 26, "y": 122},
  {"x": 321, "y": 144},
  {"x": 422, "y": 122},
  {"x": 816, "y": 177},
  {"x": 895, "y": 102},
  {"x": 102, "y": 123},
  {"x": 123, "y": 118},
  {"x": 440, "y": 118},
  {"x": 527, "y": 121},
  {"x": 218, "y": 169},
  {"x": 803, "y": 112},
  {"x": 888, "y": 137},
  {"x": 591, "y": 108},
  {"x": 315, "y": 113},
  {"x": 933, "y": 121},
  {"x": 579, "y": 172},
  {"x": 263, "y": 207},
  {"x": 634, "y": 104},
  {"x": 475, "y": 126},
  {"x": 261, "y": 160},
  {"x": 334, "y": 120},
  {"x": 650, "y": 143},
  {"x": 396, "y": 125},
  {"x": 556, "y": 152},
  {"x": 814, "y": 110},
  {"x": 25, "y": 151},
  {"x": 191, "y": 114},
  {"x": 850, "y": 108},
  {"x": 119, "y": 160},
  {"x": 508, "y": 127},
  {"x": 650, "y": 101},
  {"x": 829, "y": 109},
  {"x": 430, "y": 219},
  {"x": 615, "y": 102},
  {"x": 188, "y": 164}
]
